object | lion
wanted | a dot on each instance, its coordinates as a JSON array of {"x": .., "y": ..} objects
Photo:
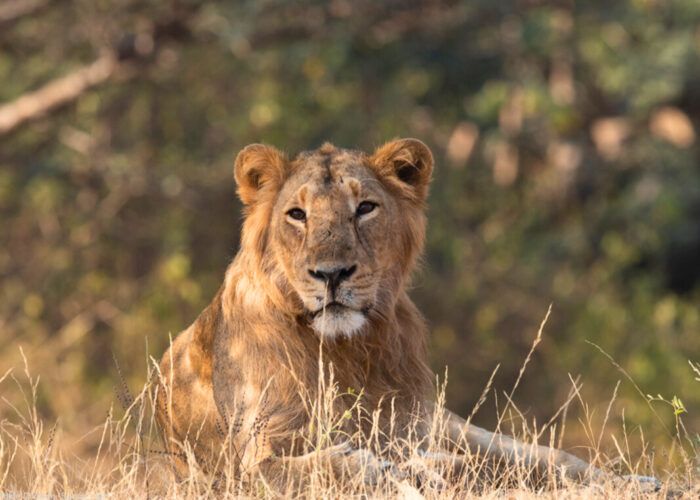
[{"x": 318, "y": 290}]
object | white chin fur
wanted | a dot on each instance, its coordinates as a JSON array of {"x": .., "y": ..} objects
[{"x": 332, "y": 324}]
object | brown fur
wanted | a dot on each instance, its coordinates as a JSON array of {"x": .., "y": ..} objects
[
  {"x": 252, "y": 353},
  {"x": 249, "y": 365}
]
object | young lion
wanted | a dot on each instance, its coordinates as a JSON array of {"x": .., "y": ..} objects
[{"x": 328, "y": 244}]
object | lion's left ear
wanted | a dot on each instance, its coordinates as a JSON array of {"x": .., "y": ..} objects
[
  {"x": 407, "y": 161},
  {"x": 258, "y": 166}
]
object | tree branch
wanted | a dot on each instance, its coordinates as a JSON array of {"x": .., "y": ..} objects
[
  {"x": 291, "y": 24},
  {"x": 14, "y": 9},
  {"x": 67, "y": 88},
  {"x": 55, "y": 93}
]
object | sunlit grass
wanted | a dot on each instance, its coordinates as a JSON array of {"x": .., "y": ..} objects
[{"x": 130, "y": 461}]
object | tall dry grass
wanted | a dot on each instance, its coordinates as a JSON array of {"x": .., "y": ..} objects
[{"x": 130, "y": 462}]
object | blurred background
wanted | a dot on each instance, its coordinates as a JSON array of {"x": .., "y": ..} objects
[{"x": 565, "y": 135}]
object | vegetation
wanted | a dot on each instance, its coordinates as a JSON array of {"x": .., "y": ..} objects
[
  {"x": 128, "y": 461},
  {"x": 565, "y": 135}
]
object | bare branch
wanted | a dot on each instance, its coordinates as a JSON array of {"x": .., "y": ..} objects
[
  {"x": 294, "y": 24},
  {"x": 14, "y": 9},
  {"x": 56, "y": 93},
  {"x": 63, "y": 90}
]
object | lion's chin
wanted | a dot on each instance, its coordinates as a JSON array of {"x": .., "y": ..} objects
[{"x": 334, "y": 323}]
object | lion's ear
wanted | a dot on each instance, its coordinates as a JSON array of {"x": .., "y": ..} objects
[
  {"x": 407, "y": 160},
  {"x": 258, "y": 167}
]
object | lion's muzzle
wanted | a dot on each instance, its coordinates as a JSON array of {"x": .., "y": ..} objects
[{"x": 332, "y": 276}]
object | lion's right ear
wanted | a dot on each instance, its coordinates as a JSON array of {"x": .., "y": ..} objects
[{"x": 258, "y": 167}]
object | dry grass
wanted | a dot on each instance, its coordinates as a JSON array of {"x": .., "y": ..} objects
[{"x": 129, "y": 461}]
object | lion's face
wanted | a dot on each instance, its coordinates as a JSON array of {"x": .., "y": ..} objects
[
  {"x": 329, "y": 228},
  {"x": 341, "y": 226}
]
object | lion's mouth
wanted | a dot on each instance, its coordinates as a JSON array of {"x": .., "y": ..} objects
[
  {"x": 330, "y": 308},
  {"x": 337, "y": 307}
]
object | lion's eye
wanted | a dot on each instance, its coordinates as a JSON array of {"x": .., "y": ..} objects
[
  {"x": 365, "y": 207},
  {"x": 297, "y": 214}
]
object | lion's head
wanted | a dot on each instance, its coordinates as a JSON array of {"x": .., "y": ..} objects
[{"x": 337, "y": 230}]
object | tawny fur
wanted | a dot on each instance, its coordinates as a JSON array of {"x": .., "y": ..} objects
[
  {"x": 253, "y": 354},
  {"x": 242, "y": 375}
]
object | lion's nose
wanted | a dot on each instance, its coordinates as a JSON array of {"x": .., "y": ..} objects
[{"x": 332, "y": 276}]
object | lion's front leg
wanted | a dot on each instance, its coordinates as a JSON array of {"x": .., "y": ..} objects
[
  {"x": 542, "y": 459},
  {"x": 342, "y": 460}
]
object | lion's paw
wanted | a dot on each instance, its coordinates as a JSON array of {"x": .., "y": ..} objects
[
  {"x": 373, "y": 470},
  {"x": 643, "y": 483},
  {"x": 424, "y": 477}
]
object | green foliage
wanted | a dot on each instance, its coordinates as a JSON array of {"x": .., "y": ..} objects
[{"x": 118, "y": 211}]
